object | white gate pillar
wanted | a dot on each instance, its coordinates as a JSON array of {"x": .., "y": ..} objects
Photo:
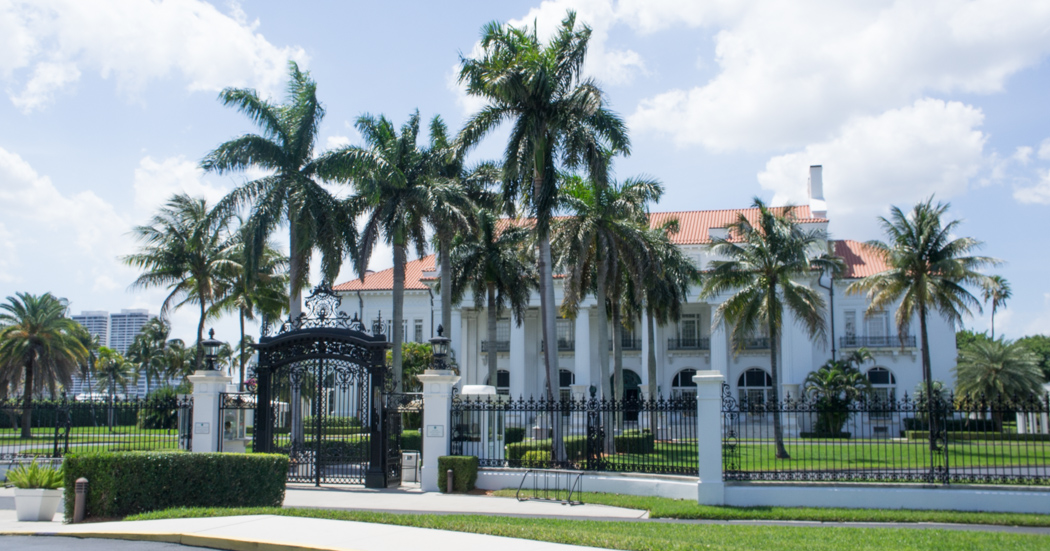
[
  {"x": 437, "y": 422},
  {"x": 207, "y": 427},
  {"x": 711, "y": 487}
]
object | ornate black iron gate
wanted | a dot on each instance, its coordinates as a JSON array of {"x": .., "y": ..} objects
[{"x": 319, "y": 386}]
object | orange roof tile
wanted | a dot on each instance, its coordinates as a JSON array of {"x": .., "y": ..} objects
[
  {"x": 693, "y": 224},
  {"x": 384, "y": 280},
  {"x": 861, "y": 260}
]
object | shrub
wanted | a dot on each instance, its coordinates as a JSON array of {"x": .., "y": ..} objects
[
  {"x": 990, "y": 436},
  {"x": 333, "y": 422},
  {"x": 464, "y": 472},
  {"x": 536, "y": 459},
  {"x": 513, "y": 435},
  {"x": 635, "y": 441},
  {"x": 33, "y": 476},
  {"x": 970, "y": 425},
  {"x": 341, "y": 450},
  {"x": 575, "y": 448},
  {"x": 127, "y": 483},
  {"x": 411, "y": 440},
  {"x": 840, "y": 435},
  {"x": 160, "y": 410}
]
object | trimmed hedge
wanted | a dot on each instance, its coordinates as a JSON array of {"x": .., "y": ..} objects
[
  {"x": 953, "y": 425},
  {"x": 536, "y": 459},
  {"x": 333, "y": 422},
  {"x": 128, "y": 483},
  {"x": 341, "y": 450},
  {"x": 513, "y": 435},
  {"x": 464, "y": 472},
  {"x": 635, "y": 441},
  {"x": 991, "y": 436},
  {"x": 831, "y": 435},
  {"x": 411, "y": 440},
  {"x": 575, "y": 448}
]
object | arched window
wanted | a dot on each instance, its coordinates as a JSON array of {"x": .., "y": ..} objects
[
  {"x": 682, "y": 386},
  {"x": 884, "y": 391},
  {"x": 502, "y": 382},
  {"x": 754, "y": 386}
]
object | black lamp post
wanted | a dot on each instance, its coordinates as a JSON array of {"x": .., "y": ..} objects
[
  {"x": 439, "y": 348},
  {"x": 211, "y": 349}
]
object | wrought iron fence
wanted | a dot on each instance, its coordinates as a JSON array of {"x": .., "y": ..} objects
[
  {"x": 52, "y": 428},
  {"x": 650, "y": 436},
  {"x": 948, "y": 440}
]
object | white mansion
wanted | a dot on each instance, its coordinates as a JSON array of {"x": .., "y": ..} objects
[{"x": 691, "y": 344}]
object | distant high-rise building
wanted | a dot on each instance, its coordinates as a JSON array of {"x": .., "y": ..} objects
[
  {"x": 123, "y": 328},
  {"x": 96, "y": 322}
]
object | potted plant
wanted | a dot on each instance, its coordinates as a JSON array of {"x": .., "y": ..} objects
[{"x": 38, "y": 491}]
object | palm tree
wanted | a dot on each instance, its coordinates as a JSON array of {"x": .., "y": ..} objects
[
  {"x": 249, "y": 290},
  {"x": 147, "y": 351},
  {"x": 557, "y": 117},
  {"x": 397, "y": 194},
  {"x": 91, "y": 345},
  {"x": 39, "y": 347},
  {"x": 996, "y": 291},
  {"x": 186, "y": 250},
  {"x": 766, "y": 258},
  {"x": 927, "y": 270},
  {"x": 834, "y": 386},
  {"x": 291, "y": 191},
  {"x": 997, "y": 371},
  {"x": 113, "y": 371},
  {"x": 602, "y": 243},
  {"x": 178, "y": 360},
  {"x": 491, "y": 263}
]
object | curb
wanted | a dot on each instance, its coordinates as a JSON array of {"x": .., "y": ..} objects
[{"x": 194, "y": 540}]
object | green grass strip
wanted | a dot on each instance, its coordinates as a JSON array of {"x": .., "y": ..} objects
[
  {"x": 662, "y": 507},
  {"x": 658, "y": 536}
]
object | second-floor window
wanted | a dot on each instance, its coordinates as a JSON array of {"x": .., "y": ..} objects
[
  {"x": 689, "y": 329},
  {"x": 418, "y": 331},
  {"x": 503, "y": 330}
]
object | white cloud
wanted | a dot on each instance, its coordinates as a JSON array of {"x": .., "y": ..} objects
[
  {"x": 898, "y": 157},
  {"x": 792, "y": 73},
  {"x": 156, "y": 181},
  {"x": 1044, "y": 150},
  {"x": 1039, "y": 193},
  {"x": 134, "y": 42}
]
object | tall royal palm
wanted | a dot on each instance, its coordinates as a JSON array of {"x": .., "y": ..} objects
[
  {"x": 556, "y": 116},
  {"x": 38, "y": 348},
  {"x": 927, "y": 269},
  {"x": 397, "y": 194},
  {"x": 254, "y": 284},
  {"x": 492, "y": 263},
  {"x": 146, "y": 352},
  {"x": 996, "y": 291},
  {"x": 603, "y": 242},
  {"x": 185, "y": 249},
  {"x": 767, "y": 261},
  {"x": 291, "y": 191}
]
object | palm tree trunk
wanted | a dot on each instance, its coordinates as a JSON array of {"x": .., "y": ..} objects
[
  {"x": 927, "y": 377},
  {"x": 295, "y": 294},
  {"x": 445, "y": 246},
  {"x": 27, "y": 401},
  {"x": 240, "y": 351},
  {"x": 550, "y": 356},
  {"x": 492, "y": 333},
  {"x": 774, "y": 346},
  {"x": 651, "y": 366},
  {"x": 200, "y": 337},
  {"x": 605, "y": 381},
  {"x": 993, "y": 321},
  {"x": 618, "y": 361},
  {"x": 399, "y": 313}
]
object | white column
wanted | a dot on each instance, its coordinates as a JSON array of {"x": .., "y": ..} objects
[
  {"x": 1046, "y": 415},
  {"x": 582, "y": 355},
  {"x": 719, "y": 347},
  {"x": 516, "y": 363},
  {"x": 437, "y": 422},
  {"x": 455, "y": 333},
  {"x": 207, "y": 427},
  {"x": 710, "y": 487}
]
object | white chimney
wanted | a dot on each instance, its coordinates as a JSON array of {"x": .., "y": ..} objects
[{"x": 817, "y": 206}]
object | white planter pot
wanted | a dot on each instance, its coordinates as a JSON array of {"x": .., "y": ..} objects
[{"x": 36, "y": 504}]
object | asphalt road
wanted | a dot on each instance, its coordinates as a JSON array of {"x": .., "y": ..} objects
[{"x": 54, "y": 543}]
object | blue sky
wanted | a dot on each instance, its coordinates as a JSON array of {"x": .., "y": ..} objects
[{"x": 107, "y": 107}]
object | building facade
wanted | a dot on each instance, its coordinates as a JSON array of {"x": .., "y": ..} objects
[{"x": 693, "y": 343}]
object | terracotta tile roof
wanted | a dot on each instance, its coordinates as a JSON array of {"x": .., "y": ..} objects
[
  {"x": 384, "y": 280},
  {"x": 861, "y": 260},
  {"x": 693, "y": 224}
]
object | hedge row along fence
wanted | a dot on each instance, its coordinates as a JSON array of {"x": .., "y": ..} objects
[
  {"x": 464, "y": 472},
  {"x": 128, "y": 483}
]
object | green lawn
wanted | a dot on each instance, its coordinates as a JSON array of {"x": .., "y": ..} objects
[
  {"x": 659, "y": 536},
  {"x": 662, "y": 507}
]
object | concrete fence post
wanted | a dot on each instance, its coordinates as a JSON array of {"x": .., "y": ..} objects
[
  {"x": 711, "y": 487},
  {"x": 437, "y": 422},
  {"x": 207, "y": 427}
]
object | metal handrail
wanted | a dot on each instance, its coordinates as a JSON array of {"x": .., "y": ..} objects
[{"x": 576, "y": 486}]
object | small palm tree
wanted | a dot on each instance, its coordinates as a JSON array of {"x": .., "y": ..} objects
[
  {"x": 112, "y": 372},
  {"x": 147, "y": 351},
  {"x": 996, "y": 291},
  {"x": 178, "y": 360},
  {"x": 834, "y": 386},
  {"x": 186, "y": 250},
  {"x": 39, "y": 347},
  {"x": 997, "y": 371},
  {"x": 91, "y": 345},
  {"x": 928, "y": 269},
  {"x": 767, "y": 259},
  {"x": 291, "y": 192},
  {"x": 556, "y": 117},
  {"x": 493, "y": 265}
]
